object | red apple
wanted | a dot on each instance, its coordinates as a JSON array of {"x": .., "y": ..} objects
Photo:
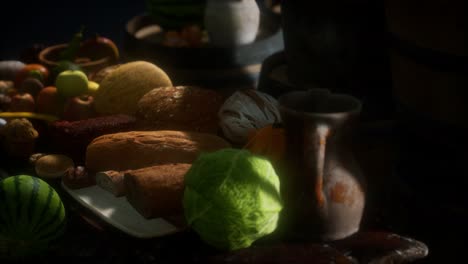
[
  {"x": 31, "y": 70},
  {"x": 79, "y": 108},
  {"x": 31, "y": 86},
  {"x": 22, "y": 102},
  {"x": 99, "y": 47},
  {"x": 48, "y": 101}
]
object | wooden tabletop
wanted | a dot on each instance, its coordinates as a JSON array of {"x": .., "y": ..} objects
[
  {"x": 397, "y": 226},
  {"x": 89, "y": 238}
]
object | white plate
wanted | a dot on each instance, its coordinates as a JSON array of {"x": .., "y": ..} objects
[{"x": 119, "y": 213}]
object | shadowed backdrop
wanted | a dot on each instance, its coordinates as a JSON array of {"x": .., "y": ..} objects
[{"x": 52, "y": 21}]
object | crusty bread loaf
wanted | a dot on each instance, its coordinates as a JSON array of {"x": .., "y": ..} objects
[
  {"x": 156, "y": 191},
  {"x": 138, "y": 149},
  {"x": 184, "y": 108}
]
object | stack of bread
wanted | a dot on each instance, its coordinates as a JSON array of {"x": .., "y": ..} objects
[
  {"x": 147, "y": 136},
  {"x": 148, "y": 167}
]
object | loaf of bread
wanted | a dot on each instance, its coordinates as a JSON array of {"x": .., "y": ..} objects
[
  {"x": 184, "y": 108},
  {"x": 139, "y": 149},
  {"x": 156, "y": 191},
  {"x": 72, "y": 138}
]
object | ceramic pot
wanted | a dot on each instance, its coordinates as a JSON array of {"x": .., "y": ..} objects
[
  {"x": 232, "y": 22},
  {"x": 322, "y": 185}
]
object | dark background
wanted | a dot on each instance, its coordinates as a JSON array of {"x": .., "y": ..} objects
[{"x": 24, "y": 23}]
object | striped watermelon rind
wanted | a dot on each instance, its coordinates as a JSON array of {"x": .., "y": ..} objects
[
  {"x": 179, "y": 11},
  {"x": 176, "y": 13},
  {"x": 32, "y": 216}
]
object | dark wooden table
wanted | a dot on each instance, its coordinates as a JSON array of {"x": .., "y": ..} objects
[{"x": 401, "y": 221}]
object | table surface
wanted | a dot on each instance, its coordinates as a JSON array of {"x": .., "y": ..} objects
[{"x": 393, "y": 207}]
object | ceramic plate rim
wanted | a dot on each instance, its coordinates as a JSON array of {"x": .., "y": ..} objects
[{"x": 172, "y": 229}]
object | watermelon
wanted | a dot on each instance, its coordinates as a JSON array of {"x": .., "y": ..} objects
[
  {"x": 32, "y": 216},
  {"x": 174, "y": 14}
]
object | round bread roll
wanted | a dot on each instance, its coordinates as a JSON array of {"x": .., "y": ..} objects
[
  {"x": 246, "y": 111},
  {"x": 121, "y": 89},
  {"x": 35, "y": 157},
  {"x": 185, "y": 108},
  {"x": 53, "y": 166}
]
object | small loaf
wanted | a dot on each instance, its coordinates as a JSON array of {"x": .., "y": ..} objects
[
  {"x": 139, "y": 149},
  {"x": 112, "y": 181},
  {"x": 156, "y": 191}
]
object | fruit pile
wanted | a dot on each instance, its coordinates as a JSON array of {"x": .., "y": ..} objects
[
  {"x": 188, "y": 36},
  {"x": 34, "y": 90},
  {"x": 53, "y": 84},
  {"x": 33, "y": 95},
  {"x": 59, "y": 91},
  {"x": 132, "y": 120}
]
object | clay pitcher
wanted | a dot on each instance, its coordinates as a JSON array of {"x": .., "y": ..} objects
[{"x": 322, "y": 185}]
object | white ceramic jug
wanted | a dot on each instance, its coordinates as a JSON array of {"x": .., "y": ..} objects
[{"x": 232, "y": 22}]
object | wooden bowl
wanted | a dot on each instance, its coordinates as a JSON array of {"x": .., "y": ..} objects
[{"x": 49, "y": 57}]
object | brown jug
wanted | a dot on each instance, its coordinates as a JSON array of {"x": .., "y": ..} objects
[{"x": 321, "y": 183}]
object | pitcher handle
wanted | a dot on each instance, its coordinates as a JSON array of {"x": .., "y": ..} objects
[{"x": 319, "y": 148}]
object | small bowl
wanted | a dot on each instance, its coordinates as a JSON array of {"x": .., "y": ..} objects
[
  {"x": 208, "y": 66},
  {"x": 49, "y": 57}
]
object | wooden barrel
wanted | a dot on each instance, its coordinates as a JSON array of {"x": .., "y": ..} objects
[
  {"x": 340, "y": 45},
  {"x": 208, "y": 66},
  {"x": 429, "y": 58},
  {"x": 337, "y": 45}
]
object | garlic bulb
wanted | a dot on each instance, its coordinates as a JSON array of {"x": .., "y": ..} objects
[{"x": 246, "y": 111}]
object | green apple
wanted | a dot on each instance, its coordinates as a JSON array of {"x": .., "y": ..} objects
[
  {"x": 71, "y": 83},
  {"x": 64, "y": 66}
]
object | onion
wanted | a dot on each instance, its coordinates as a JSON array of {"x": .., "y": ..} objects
[{"x": 9, "y": 69}]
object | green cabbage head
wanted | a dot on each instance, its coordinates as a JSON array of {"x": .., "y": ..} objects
[{"x": 232, "y": 198}]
